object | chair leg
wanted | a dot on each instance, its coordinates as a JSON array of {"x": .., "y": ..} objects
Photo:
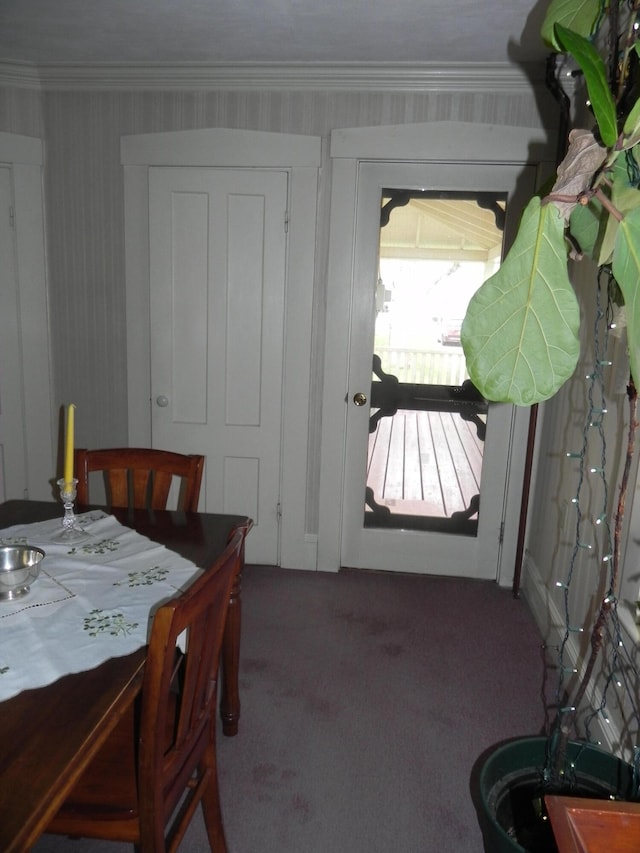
[
  {"x": 230, "y": 661},
  {"x": 211, "y": 808}
]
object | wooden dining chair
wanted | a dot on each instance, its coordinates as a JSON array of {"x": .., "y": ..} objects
[
  {"x": 140, "y": 477},
  {"x": 165, "y": 749}
]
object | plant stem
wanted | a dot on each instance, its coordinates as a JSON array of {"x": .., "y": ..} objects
[{"x": 606, "y": 203}]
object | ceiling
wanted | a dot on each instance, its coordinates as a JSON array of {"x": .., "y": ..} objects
[
  {"x": 441, "y": 228},
  {"x": 271, "y": 31}
]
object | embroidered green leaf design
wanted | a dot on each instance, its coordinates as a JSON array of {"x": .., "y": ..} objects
[
  {"x": 146, "y": 577},
  {"x": 105, "y": 546},
  {"x": 114, "y": 624}
]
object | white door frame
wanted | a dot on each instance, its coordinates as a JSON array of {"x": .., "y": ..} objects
[
  {"x": 226, "y": 148},
  {"x": 431, "y": 142},
  {"x": 24, "y": 156}
]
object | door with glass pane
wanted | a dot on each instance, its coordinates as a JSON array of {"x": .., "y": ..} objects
[{"x": 428, "y": 459}]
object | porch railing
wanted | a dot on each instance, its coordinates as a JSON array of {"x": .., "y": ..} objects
[{"x": 426, "y": 367}]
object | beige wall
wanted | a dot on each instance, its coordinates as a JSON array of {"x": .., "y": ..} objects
[{"x": 21, "y": 111}]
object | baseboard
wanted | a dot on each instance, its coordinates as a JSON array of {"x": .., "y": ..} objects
[
  {"x": 310, "y": 552},
  {"x": 303, "y": 556}
]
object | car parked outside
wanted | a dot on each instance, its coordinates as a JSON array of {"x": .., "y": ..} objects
[{"x": 450, "y": 331}]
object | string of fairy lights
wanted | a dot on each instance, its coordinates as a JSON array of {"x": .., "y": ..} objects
[{"x": 593, "y": 534}]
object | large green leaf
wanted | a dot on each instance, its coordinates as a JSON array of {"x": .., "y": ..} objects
[
  {"x": 595, "y": 75},
  {"x": 577, "y": 15},
  {"x": 585, "y": 225},
  {"x": 626, "y": 269},
  {"x": 625, "y": 197},
  {"x": 631, "y": 129},
  {"x": 520, "y": 333}
]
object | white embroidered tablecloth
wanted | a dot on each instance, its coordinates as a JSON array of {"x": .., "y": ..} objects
[{"x": 91, "y": 601}]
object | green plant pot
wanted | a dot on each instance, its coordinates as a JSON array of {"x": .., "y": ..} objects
[{"x": 510, "y": 805}]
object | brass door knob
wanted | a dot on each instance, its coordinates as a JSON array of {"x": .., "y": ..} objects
[{"x": 359, "y": 399}]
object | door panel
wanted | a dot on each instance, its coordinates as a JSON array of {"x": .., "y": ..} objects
[
  {"x": 217, "y": 309},
  {"x": 452, "y": 448}
]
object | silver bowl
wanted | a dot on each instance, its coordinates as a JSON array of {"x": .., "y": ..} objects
[{"x": 19, "y": 567}]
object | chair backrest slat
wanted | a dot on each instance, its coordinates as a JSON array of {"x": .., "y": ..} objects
[
  {"x": 160, "y": 489},
  {"x": 117, "y": 487}
]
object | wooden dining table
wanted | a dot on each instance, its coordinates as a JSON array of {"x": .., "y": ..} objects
[{"x": 50, "y": 734}]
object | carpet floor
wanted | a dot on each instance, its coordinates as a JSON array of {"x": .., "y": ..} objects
[{"x": 367, "y": 697}]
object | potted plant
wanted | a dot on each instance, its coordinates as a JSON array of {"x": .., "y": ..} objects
[{"x": 522, "y": 340}]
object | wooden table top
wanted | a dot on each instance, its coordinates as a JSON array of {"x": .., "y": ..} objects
[
  {"x": 50, "y": 734},
  {"x": 582, "y": 825}
]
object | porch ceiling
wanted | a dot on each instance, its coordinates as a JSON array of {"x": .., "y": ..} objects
[{"x": 436, "y": 228}]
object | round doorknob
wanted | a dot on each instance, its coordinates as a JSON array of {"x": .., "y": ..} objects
[
  {"x": 162, "y": 401},
  {"x": 359, "y": 399}
]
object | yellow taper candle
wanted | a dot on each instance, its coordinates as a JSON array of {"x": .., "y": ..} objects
[{"x": 68, "y": 454}]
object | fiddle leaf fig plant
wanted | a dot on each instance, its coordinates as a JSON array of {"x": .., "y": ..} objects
[{"x": 521, "y": 331}]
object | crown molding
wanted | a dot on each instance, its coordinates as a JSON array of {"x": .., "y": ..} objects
[
  {"x": 407, "y": 77},
  {"x": 24, "y": 75}
]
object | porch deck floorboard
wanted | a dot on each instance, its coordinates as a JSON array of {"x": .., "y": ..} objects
[{"x": 424, "y": 463}]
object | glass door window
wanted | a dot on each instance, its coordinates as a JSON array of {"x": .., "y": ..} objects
[{"x": 427, "y": 421}]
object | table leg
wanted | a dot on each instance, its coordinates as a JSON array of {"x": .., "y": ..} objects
[{"x": 230, "y": 662}]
